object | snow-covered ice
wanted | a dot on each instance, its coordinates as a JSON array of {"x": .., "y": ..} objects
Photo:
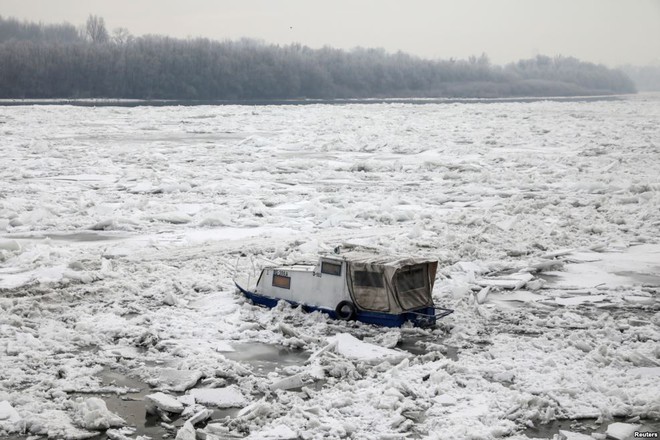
[
  {"x": 93, "y": 414},
  {"x": 352, "y": 348},
  {"x": 163, "y": 402},
  {"x": 226, "y": 397},
  {"x": 621, "y": 431},
  {"x": 122, "y": 229}
]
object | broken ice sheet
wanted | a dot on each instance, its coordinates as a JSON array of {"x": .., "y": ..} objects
[
  {"x": 277, "y": 432},
  {"x": 513, "y": 281},
  {"x": 163, "y": 402},
  {"x": 569, "y": 435},
  {"x": 170, "y": 379},
  {"x": 352, "y": 348},
  {"x": 621, "y": 431},
  {"x": 226, "y": 397},
  {"x": 577, "y": 300},
  {"x": 9, "y": 418}
]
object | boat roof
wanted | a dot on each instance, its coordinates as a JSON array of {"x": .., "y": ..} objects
[
  {"x": 373, "y": 258},
  {"x": 296, "y": 267},
  {"x": 360, "y": 256}
]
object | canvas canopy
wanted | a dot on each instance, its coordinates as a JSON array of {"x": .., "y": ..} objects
[{"x": 390, "y": 285}]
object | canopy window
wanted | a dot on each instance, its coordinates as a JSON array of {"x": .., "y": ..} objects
[
  {"x": 363, "y": 278},
  {"x": 369, "y": 291},
  {"x": 413, "y": 288}
]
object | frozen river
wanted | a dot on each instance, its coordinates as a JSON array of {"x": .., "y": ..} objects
[{"x": 121, "y": 230}]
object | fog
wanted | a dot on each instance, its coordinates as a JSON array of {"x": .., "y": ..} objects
[{"x": 601, "y": 31}]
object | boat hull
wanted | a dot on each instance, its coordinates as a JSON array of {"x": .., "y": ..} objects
[{"x": 425, "y": 317}]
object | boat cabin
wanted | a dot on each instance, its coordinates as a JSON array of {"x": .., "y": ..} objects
[{"x": 358, "y": 286}]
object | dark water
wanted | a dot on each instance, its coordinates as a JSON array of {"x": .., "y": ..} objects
[
  {"x": 265, "y": 358},
  {"x": 131, "y": 406},
  {"x": 419, "y": 345}
]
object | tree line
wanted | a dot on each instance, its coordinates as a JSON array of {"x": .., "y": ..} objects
[
  {"x": 62, "y": 61},
  {"x": 646, "y": 78}
]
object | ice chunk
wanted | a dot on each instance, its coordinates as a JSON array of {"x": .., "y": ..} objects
[
  {"x": 200, "y": 416},
  {"x": 352, "y": 348},
  {"x": 142, "y": 187},
  {"x": 125, "y": 352},
  {"x": 546, "y": 265},
  {"x": 299, "y": 380},
  {"x": 513, "y": 281},
  {"x": 255, "y": 410},
  {"x": 176, "y": 380},
  {"x": 117, "y": 434},
  {"x": 10, "y": 245},
  {"x": 645, "y": 371},
  {"x": 469, "y": 266},
  {"x": 636, "y": 358},
  {"x": 507, "y": 222},
  {"x": 94, "y": 414},
  {"x": 568, "y": 435},
  {"x": 163, "y": 402},
  {"x": 577, "y": 300},
  {"x": 483, "y": 294},
  {"x": 186, "y": 399},
  {"x": 216, "y": 219},
  {"x": 227, "y": 397},
  {"x": 558, "y": 253},
  {"x": 445, "y": 400},
  {"x": 642, "y": 300},
  {"x": 187, "y": 432},
  {"x": 621, "y": 431},
  {"x": 176, "y": 218},
  {"x": 216, "y": 430},
  {"x": 278, "y": 432},
  {"x": 288, "y": 383},
  {"x": 9, "y": 417},
  {"x": 519, "y": 295},
  {"x": 103, "y": 225}
]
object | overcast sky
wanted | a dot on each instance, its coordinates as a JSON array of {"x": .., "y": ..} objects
[{"x": 611, "y": 32}]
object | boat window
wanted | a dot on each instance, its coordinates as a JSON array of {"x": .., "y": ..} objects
[
  {"x": 368, "y": 288},
  {"x": 411, "y": 280},
  {"x": 330, "y": 268},
  {"x": 365, "y": 278},
  {"x": 281, "y": 281},
  {"x": 413, "y": 288}
]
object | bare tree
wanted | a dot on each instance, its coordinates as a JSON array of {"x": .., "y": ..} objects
[
  {"x": 95, "y": 29},
  {"x": 121, "y": 36}
]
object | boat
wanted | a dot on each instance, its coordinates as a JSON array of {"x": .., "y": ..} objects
[{"x": 356, "y": 285}]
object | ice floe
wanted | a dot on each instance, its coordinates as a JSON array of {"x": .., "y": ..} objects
[
  {"x": 352, "y": 348},
  {"x": 162, "y": 402},
  {"x": 227, "y": 397}
]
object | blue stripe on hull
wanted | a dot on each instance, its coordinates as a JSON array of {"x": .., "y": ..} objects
[{"x": 420, "y": 318}]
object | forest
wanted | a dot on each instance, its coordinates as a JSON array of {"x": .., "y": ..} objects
[
  {"x": 62, "y": 61},
  {"x": 646, "y": 78}
]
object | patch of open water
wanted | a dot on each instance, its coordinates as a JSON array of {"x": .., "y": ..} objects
[
  {"x": 421, "y": 345},
  {"x": 263, "y": 358},
  {"x": 266, "y": 358}
]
